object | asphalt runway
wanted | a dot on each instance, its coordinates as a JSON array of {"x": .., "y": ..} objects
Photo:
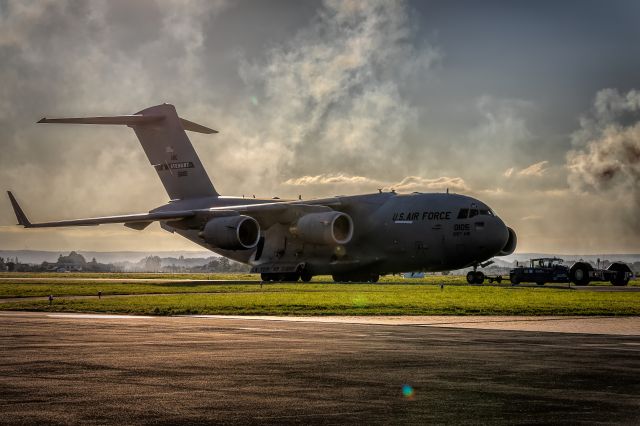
[{"x": 97, "y": 369}]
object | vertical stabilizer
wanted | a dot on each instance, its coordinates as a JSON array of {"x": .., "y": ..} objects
[
  {"x": 170, "y": 152},
  {"x": 162, "y": 135}
]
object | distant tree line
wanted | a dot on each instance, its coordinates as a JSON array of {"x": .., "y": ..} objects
[{"x": 75, "y": 262}]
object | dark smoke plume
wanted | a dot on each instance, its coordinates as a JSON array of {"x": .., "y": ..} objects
[{"x": 607, "y": 155}]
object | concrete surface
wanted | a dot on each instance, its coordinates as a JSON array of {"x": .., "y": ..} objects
[{"x": 97, "y": 369}]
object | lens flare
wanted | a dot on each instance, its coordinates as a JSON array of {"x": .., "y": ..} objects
[{"x": 407, "y": 391}]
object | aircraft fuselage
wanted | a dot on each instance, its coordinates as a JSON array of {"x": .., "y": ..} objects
[{"x": 391, "y": 233}]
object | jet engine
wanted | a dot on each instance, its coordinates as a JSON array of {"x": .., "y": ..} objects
[
  {"x": 232, "y": 232},
  {"x": 510, "y": 246},
  {"x": 332, "y": 228}
]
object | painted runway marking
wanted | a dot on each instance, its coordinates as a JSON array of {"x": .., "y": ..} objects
[{"x": 621, "y": 326}]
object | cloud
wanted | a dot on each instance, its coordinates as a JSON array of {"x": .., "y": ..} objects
[
  {"x": 606, "y": 160},
  {"x": 329, "y": 179},
  {"x": 537, "y": 169},
  {"x": 407, "y": 184},
  {"x": 416, "y": 183},
  {"x": 328, "y": 97},
  {"x": 332, "y": 94}
]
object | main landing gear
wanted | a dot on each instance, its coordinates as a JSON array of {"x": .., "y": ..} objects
[
  {"x": 302, "y": 274},
  {"x": 356, "y": 278},
  {"x": 475, "y": 277}
]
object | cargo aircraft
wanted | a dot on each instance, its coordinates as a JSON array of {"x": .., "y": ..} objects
[{"x": 353, "y": 238}]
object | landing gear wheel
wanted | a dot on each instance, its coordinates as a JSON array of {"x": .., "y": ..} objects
[
  {"x": 540, "y": 283},
  {"x": 471, "y": 277},
  {"x": 356, "y": 278},
  {"x": 499, "y": 279},
  {"x": 579, "y": 273},
  {"x": 279, "y": 277},
  {"x": 479, "y": 277},
  {"x": 306, "y": 276}
]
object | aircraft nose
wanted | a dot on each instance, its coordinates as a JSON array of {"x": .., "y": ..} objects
[{"x": 498, "y": 235}]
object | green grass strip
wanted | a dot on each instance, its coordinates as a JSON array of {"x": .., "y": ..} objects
[{"x": 356, "y": 299}]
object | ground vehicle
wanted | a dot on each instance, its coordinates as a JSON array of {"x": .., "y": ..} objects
[
  {"x": 541, "y": 270},
  {"x": 551, "y": 270}
]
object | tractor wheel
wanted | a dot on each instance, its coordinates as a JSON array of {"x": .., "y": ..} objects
[
  {"x": 471, "y": 277},
  {"x": 499, "y": 279},
  {"x": 540, "y": 283},
  {"x": 373, "y": 278},
  {"x": 621, "y": 278},
  {"x": 579, "y": 273},
  {"x": 515, "y": 280}
]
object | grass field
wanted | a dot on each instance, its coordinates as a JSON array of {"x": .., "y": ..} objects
[{"x": 411, "y": 297}]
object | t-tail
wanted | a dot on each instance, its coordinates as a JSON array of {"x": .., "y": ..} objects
[{"x": 162, "y": 136}]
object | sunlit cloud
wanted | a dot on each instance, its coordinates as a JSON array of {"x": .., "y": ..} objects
[
  {"x": 537, "y": 169},
  {"x": 316, "y": 98},
  {"x": 407, "y": 184}
]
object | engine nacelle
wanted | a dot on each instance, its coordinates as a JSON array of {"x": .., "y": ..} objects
[
  {"x": 232, "y": 232},
  {"x": 330, "y": 228},
  {"x": 511, "y": 244}
]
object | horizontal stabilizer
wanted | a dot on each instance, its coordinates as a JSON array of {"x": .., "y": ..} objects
[
  {"x": 128, "y": 120},
  {"x": 195, "y": 127}
]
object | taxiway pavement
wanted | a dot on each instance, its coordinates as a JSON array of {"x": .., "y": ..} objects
[{"x": 85, "y": 368}]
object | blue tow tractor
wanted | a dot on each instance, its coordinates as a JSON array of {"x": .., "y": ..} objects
[{"x": 552, "y": 270}]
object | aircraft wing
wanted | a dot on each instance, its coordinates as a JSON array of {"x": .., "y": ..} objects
[
  {"x": 135, "y": 221},
  {"x": 267, "y": 214}
]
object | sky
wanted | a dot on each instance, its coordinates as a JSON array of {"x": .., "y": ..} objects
[{"x": 531, "y": 106}]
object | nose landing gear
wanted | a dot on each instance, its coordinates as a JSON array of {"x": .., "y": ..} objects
[{"x": 478, "y": 277}]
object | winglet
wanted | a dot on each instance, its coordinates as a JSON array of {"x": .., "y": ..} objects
[{"x": 22, "y": 218}]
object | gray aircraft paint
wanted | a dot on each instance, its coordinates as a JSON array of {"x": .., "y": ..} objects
[{"x": 391, "y": 232}]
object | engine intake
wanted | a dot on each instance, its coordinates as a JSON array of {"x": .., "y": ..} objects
[
  {"x": 511, "y": 244},
  {"x": 331, "y": 228},
  {"x": 232, "y": 232}
]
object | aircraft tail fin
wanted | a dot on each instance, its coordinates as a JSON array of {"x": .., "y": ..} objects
[{"x": 162, "y": 136}]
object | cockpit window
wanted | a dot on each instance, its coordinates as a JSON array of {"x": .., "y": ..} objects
[
  {"x": 463, "y": 213},
  {"x": 486, "y": 212},
  {"x": 473, "y": 212}
]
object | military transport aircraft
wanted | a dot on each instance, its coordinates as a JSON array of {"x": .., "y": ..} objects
[{"x": 352, "y": 238}]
